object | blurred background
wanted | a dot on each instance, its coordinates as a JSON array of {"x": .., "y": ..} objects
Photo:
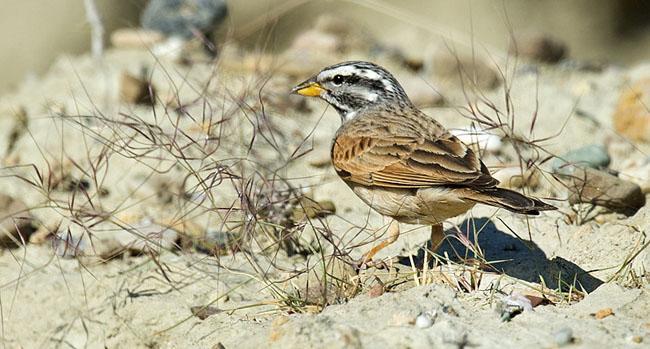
[{"x": 34, "y": 33}]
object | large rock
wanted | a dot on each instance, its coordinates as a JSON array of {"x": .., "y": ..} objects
[
  {"x": 184, "y": 17},
  {"x": 588, "y": 185}
]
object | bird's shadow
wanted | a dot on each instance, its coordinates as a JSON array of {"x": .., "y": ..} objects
[{"x": 521, "y": 259}]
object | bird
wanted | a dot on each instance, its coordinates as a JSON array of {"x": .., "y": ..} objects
[{"x": 398, "y": 160}]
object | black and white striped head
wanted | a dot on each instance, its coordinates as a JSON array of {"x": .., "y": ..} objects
[{"x": 350, "y": 87}]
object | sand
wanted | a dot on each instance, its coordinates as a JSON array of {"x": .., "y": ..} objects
[{"x": 144, "y": 299}]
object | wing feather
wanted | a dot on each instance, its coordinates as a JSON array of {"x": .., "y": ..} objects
[{"x": 411, "y": 153}]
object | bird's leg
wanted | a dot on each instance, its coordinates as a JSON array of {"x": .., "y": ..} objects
[
  {"x": 437, "y": 236},
  {"x": 393, "y": 234}
]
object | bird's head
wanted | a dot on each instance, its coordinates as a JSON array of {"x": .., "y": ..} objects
[{"x": 350, "y": 87}]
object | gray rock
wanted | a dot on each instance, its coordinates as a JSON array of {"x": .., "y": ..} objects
[
  {"x": 183, "y": 17},
  {"x": 588, "y": 185},
  {"x": 593, "y": 156}
]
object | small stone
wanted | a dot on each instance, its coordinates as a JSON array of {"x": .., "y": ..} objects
[
  {"x": 636, "y": 339},
  {"x": 480, "y": 141},
  {"x": 632, "y": 115},
  {"x": 184, "y": 18},
  {"x": 512, "y": 177},
  {"x": 309, "y": 208},
  {"x": 70, "y": 241},
  {"x": 452, "y": 66},
  {"x": 204, "y": 311},
  {"x": 376, "y": 290},
  {"x": 513, "y": 305},
  {"x": 16, "y": 223},
  {"x": 127, "y": 38},
  {"x": 603, "y": 313},
  {"x": 423, "y": 321},
  {"x": 563, "y": 336},
  {"x": 588, "y": 185},
  {"x": 540, "y": 48},
  {"x": 214, "y": 242},
  {"x": 41, "y": 235},
  {"x": 134, "y": 90},
  {"x": 173, "y": 48},
  {"x": 593, "y": 156}
]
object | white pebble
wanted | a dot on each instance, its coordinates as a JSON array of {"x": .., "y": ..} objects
[
  {"x": 482, "y": 139},
  {"x": 563, "y": 336},
  {"x": 423, "y": 321},
  {"x": 518, "y": 300},
  {"x": 170, "y": 48}
]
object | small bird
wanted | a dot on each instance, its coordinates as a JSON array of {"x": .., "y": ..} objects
[{"x": 399, "y": 161}]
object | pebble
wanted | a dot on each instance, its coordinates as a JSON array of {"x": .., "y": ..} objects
[
  {"x": 635, "y": 339},
  {"x": 69, "y": 241},
  {"x": 588, "y": 185},
  {"x": 592, "y": 156},
  {"x": 563, "y": 336},
  {"x": 204, "y": 311},
  {"x": 423, "y": 321},
  {"x": 134, "y": 90},
  {"x": 632, "y": 115},
  {"x": 214, "y": 242},
  {"x": 182, "y": 17},
  {"x": 67, "y": 246},
  {"x": 376, "y": 290},
  {"x": 479, "y": 139},
  {"x": 309, "y": 208},
  {"x": 540, "y": 48},
  {"x": 451, "y": 66},
  {"x": 512, "y": 177},
  {"x": 126, "y": 38},
  {"x": 16, "y": 224},
  {"x": 603, "y": 313},
  {"x": 513, "y": 305},
  {"x": 172, "y": 48}
]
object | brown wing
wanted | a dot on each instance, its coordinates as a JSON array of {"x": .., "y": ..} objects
[{"x": 405, "y": 153}]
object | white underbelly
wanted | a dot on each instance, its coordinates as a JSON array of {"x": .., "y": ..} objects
[{"x": 417, "y": 206}]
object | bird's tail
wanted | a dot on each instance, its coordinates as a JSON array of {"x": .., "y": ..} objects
[{"x": 510, "y": 200}]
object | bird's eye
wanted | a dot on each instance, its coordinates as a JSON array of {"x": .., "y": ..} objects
[{"x": 337, "y": 80}]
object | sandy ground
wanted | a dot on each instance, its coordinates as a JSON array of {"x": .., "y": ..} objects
[{"x": 49, "y": 298}]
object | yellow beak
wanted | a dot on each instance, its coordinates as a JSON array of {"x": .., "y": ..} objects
[{"x": 308, "y": 89}]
